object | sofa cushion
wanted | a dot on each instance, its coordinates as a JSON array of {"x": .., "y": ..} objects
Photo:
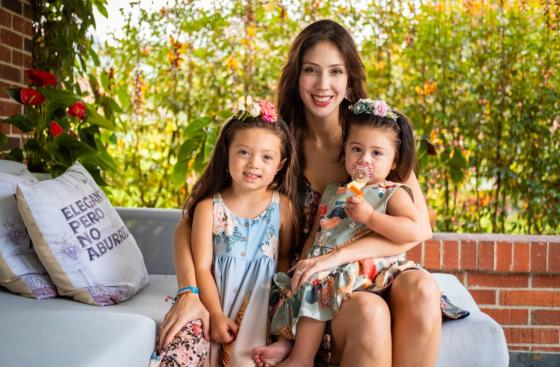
[
  {"x": 149, "y": 302},
  {"x": 80, "y": 239},
  {"x": 477, "y": 340},
  {"x": 75, "y": 338},
  {"x": 20, "y": 269}
]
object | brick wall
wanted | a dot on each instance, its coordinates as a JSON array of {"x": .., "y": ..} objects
[
  {"x": 16, "y": 33},
  {"x": 514, "y": 279}
]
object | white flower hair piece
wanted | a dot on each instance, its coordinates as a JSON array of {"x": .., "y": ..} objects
[
  {"x": 248, "y": 107},
  {"x": 373, "y": 107}
]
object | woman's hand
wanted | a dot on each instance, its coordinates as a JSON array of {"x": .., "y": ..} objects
[
  {"x": 304, "y": 269},
  {"x": 187, "y": 308},
  {"x": 223, "y": 329}
]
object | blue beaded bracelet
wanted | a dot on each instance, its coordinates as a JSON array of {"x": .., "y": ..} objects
[{"x": 188, "y": 289}]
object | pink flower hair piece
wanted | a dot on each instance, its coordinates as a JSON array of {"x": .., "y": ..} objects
[{"x": 268, "y": 111}]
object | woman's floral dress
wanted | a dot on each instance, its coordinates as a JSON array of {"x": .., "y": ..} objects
[
  {"x": 321, "y": 296},
  {"x": 245, "y": 259}
]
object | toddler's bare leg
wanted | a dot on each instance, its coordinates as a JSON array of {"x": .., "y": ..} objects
[{"x": 308, "y": 339}]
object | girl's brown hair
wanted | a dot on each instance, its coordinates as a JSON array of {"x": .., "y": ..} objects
[
  {"x": 216, "y": 177},
  {"x": 405, "y": 148}
]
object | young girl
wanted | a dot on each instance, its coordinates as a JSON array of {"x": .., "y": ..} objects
[
  {"x": 378, "y": 142},
  {"x": 242, "y": 227}
]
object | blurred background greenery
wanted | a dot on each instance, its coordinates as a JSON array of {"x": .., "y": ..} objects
[{"x": 480, "y": 80}]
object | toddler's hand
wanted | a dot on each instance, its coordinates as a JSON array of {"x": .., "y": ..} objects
[
  {"x": 358, "y": 209},
  {"x": 222, "y": 329}
]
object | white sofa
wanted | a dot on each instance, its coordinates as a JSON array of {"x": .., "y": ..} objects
[{"x": 60, "y": 332}]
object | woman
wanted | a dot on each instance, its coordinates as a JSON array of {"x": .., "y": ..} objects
[{"x": 323, "y": 75}]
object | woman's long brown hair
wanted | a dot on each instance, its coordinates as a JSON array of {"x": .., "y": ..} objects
[{"x": 290, "y": 105}]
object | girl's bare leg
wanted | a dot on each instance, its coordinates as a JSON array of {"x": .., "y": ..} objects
[
  {"x": 361, "y": 332},
  {"x": 308, "y": 339},
  {"x": 415, "y": 308}
]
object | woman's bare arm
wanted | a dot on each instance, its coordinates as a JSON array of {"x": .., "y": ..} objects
[
  {"x": 369, "y": 246},
  {"x": 421, "y": 207}
]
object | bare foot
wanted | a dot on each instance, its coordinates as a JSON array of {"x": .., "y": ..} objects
[{"x": 272, "y": 354}]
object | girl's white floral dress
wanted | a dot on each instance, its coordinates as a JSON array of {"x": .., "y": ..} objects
[{"x": 245, "y": 259}]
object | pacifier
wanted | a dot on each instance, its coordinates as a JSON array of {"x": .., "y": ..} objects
[{"x": 360, "y": 176}]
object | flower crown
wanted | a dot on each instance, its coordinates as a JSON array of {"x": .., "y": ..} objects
[
  {"x": 249, "y": 108},
  {"x": 377, "y": 108}
]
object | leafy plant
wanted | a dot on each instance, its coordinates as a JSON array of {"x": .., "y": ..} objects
[{"x": 58, "y": 128}]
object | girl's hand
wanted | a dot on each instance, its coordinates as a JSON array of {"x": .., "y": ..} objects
[
  {"x": 187, "y": 308},
  {"x": 223, "y": 329},
  {"x": 358, "y": 209},
  {"x": 304, "y": 269}
]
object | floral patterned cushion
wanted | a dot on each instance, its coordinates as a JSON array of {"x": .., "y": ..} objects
[
  {"x": 81, "y": 240},
  {"x": 20, "y": 270}
]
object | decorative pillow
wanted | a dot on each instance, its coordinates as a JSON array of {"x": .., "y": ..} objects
[
  {"x": 81, "y": 240},
  {"x": 20, "y": 269}
]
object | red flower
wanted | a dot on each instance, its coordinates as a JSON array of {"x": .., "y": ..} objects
[
  {"x": 30, "y": 96},
  {"x": 41, "y": 78},
  {"x": 56, "y": 129},
  {"x": 78, "y": 109}
]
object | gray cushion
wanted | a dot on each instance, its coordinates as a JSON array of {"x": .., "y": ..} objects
[
  {"x": 75, "y": 338},
  {"x": 477, "y": 340},
  {"x": 149, "y": 302}
]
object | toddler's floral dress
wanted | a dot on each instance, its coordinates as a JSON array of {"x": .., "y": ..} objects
[{"x": 322, "y": 295}]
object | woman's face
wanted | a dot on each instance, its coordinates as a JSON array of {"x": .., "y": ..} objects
[{"x": 323, "y": 80}]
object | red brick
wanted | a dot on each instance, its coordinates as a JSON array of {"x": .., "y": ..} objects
[
  {"x": 22, "y": 25},
  {"x": 554, "y": 257},
  {"x": 5, "y": 19},
  {"x": 468, "y": 255},
  {"x": 504, "y": 256},
  {"x": 538, "y": 257},
  {"x": 27, "y": 11},
  {"x": 4, "y": 128},
  {"x": 546, "y": 281},
  {"x": 11, "y": 39},
  {"x": 4, "y": 54},
  {"x": 450, "y": 255},
  {"x": 499, "y": 280},
  {"x": 486, "y": 255},
  {"x": 3, "y": 87},
  {"x": 508, "y": 316},
  {"x": 17, "y": 58},
  {"x": 521, "y": 256},
  {"x": 483, "y": 296},
  {"x": 545, "y": 317},
  {"x": 432, "y": 254},
  {"x": 10, "y": 73},
  {"x": 531, "y": 335},
  {"x": 27, "y": 61},
  {"x": 530, "y": 298},
  {"x": 9, "y": 108},
  {"x": 415, "y": 254}
]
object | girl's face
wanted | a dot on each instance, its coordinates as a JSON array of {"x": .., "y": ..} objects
[
  {"x": 254, "y": 158},
  {"x": 373, "y": 148},
  {"x": 323, "y": 80}
]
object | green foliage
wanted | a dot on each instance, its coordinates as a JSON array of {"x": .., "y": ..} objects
[
  {"x": 61, "y": 42},
  {"x": 479, "y": 79}
]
